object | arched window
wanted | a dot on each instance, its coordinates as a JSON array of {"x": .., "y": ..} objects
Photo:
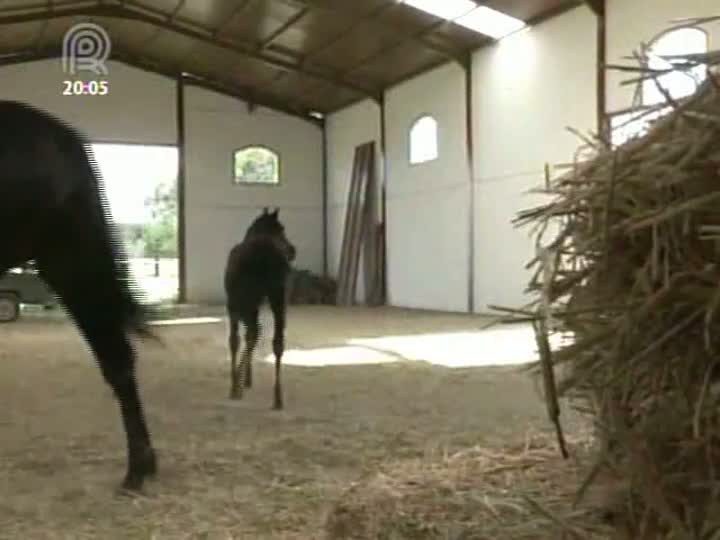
[
  {"x": 634, "y": 124},
  {"x": 256, "y": 165},
  {"x": 679, "y": 83},
  {"x": 423, "y": 140}
]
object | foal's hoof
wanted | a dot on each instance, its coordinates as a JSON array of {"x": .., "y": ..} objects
[
  {"x": 235, "y": 393},
  {"x": 278, "y": 406}
]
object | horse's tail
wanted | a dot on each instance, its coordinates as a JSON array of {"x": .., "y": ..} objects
[
  {"x": 139, "y": 322},
  {"x": 122, "y": 294}
]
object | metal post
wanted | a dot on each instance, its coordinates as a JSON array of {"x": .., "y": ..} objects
[
  {"x": 383, "y": 202},
  {"x": 180, "y": 117},
  {"x": 325, "y": 198},
  {"x": 471, "y": 174}
]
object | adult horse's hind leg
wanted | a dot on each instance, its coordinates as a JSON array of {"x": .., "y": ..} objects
[
  {"x": 84, "y": 294},
  {"x": 277, "y": 305},
  {"x": 252, "y": 332},
  {"x": 234, "y": 345},
  {"x": 117, "y": 363}
]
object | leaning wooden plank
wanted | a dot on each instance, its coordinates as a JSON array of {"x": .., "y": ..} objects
[
  {"x": 358, "y": 223},
  {"x": 343, "y": 273}
]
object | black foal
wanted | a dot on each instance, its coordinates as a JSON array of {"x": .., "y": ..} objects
[{"x": 256, "y": 270}]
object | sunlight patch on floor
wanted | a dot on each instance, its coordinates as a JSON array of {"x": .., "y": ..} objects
[
  {"x": 186, "y": 320},
  {"x": 500, "y": 346},
  {"x": 333, "y": 356}
]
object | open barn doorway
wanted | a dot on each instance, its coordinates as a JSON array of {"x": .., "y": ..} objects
[{"x": 141, "y": 186}]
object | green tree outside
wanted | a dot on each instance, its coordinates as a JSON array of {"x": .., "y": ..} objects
[
  {"x": 159, "y": 235},
  {"x": 132, "y": 237}
]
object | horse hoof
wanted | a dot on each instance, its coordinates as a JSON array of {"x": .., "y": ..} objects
[
  {"x": 124, "y": 492},
  {"x": 277, "y": 406},
  {"x": 131, "y": 486},
  {"x": 235, "y": 394},
  {"x": 150, "y": 465}
]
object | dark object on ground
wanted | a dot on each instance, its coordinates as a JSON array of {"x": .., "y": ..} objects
[
  {"x": 304, "y": 287},
  {"x": 257, "y": 269},
  {"x": 53, "y": 211}
]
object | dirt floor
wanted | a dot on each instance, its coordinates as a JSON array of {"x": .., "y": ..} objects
[{"x": 238, "y": 469}]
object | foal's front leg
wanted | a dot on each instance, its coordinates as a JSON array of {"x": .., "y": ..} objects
[
  {"x": 252, "y": 332},
  {"x": 277, "y": 305},
  {"x": 234, "y": 344}
]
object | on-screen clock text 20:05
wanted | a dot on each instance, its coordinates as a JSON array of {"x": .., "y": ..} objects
[{"x": 81, "y": 88}]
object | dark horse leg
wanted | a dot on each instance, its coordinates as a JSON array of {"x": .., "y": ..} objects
[
  {"x": 53, "y": 210},
  {"x": 234, "y": 344},
  {"x": 252, "y": 332},
  {"x": 92, "y": 297},
  {"x": 278, "y": 306}
]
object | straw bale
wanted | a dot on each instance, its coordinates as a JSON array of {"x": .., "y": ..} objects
[{"x": 636, "y": 279}]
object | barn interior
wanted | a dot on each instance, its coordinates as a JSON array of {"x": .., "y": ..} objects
[{"x": 399, "y": 140}]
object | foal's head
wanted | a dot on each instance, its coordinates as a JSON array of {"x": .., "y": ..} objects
[{"x": 268, "y": 226}]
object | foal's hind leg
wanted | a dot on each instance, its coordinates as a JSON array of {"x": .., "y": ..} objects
[
  {"x": 234, "y": 344},
  {"x": 252, "y": 332},
  {"x": 277, "y": 305},
  {"x": 83, "y": 297}
]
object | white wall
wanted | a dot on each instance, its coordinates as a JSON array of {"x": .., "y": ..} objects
[
  {"x": 427, "y": 203},
  {"x": 528, "y": 88},
  {"x": 629, "y": 23},
  {"x": 218, "y": 212},
  {"x": 140, "y": 107},
  {"x": 346, "y": 129}
]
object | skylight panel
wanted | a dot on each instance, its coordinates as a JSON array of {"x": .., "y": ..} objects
[
  {"x": 445, "y": 9},
  {"x": 490, "y": 22},
  {"x": 467, "y": 13}
]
